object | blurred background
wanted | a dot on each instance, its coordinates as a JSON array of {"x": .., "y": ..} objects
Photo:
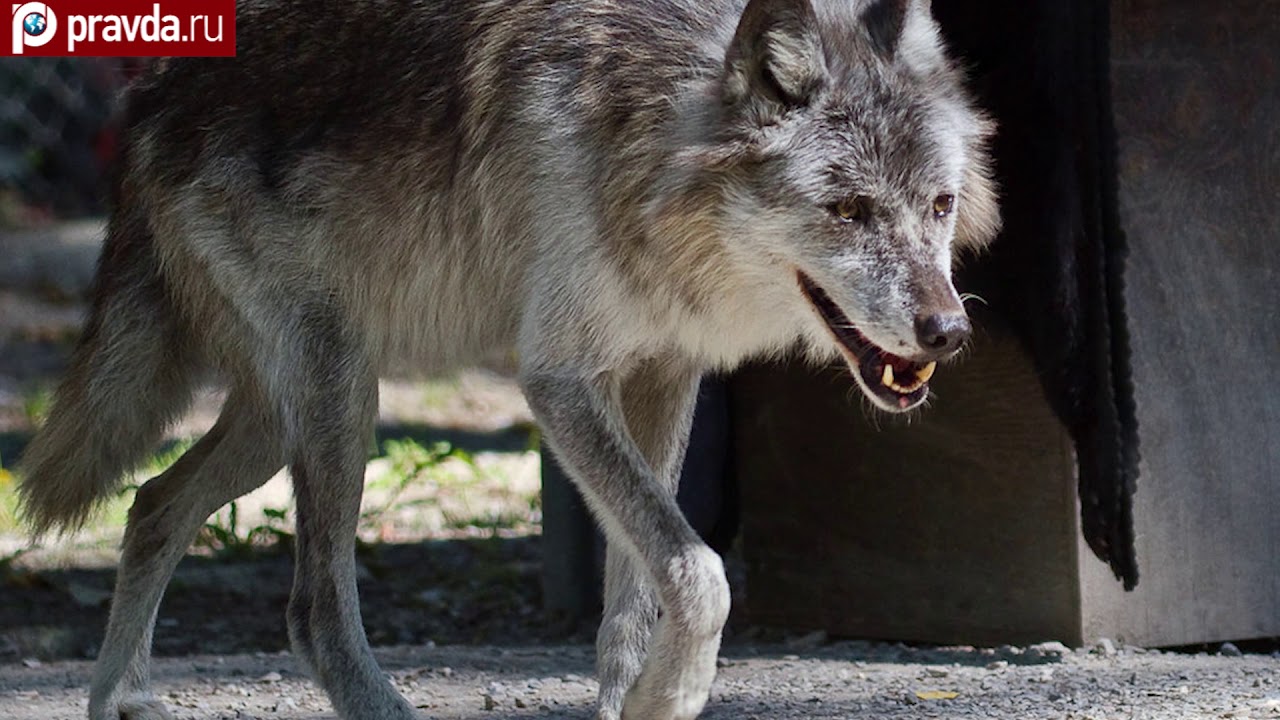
[{"x": 57, "y": 135}]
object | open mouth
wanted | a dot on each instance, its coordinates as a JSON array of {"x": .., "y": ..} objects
[{"x": 898, "y": 383}]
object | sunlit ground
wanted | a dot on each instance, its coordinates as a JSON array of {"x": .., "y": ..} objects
[{"x": 456, "y": 458}]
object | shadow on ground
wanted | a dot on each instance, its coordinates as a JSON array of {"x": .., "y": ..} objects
[{"x": 444, "y": 591}]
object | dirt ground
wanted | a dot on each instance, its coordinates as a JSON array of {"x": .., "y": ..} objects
[{"x": 755, "y": 682}]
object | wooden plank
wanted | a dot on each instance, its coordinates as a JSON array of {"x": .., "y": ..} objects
[
  {"x": 1196, "y": 94},
  {"x": 957, "y": 526}
]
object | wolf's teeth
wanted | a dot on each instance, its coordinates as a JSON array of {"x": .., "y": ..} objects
[
  {"x": 926, "y": 372},
  {"x": 921, "y": 377}
]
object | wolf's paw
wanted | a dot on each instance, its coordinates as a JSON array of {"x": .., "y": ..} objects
[
  {"x": 683, "y": 706},
  {"x": 652, "y": 699}
]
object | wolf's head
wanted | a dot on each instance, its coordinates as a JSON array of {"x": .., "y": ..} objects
[{"x": 856, "y": 169}]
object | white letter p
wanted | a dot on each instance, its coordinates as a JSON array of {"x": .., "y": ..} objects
[{"x": 34, "y": 24}]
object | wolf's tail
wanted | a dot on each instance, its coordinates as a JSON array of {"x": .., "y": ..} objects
[{"x": 131, "y": 374}]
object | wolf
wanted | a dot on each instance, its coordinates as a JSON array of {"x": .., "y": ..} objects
[{"x": 629, "y": 194}]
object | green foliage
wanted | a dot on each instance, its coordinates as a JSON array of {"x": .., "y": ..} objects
[
  {"x": 222, "y": 533},
  {"x": 166, "y": 457},
  {"x": 451, "y": 481},
  {"x": 8, "y": 500},
  {"x": 412, "y": 464},
  {"x": 35, "y": 405}
]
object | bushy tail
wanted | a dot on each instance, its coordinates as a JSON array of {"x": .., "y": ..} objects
[{"x": 131, "y": 373}]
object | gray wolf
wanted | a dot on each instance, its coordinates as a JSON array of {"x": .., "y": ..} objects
[{"x": 629, "y": 193}]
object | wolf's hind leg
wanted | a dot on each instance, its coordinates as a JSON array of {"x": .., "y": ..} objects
[
  {"x": 657, "y": 402},
  {"x": 240, "y": 453},
  {"x": 337, "y": 396}
]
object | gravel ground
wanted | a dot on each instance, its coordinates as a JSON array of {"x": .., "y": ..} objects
[{"x": 763, "y": 682}]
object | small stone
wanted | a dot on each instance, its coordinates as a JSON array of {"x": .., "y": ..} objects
[
  {"x": 1229, "y": 650},
  {"x": 1049, "y": 651},
  {"x": 998, "y": 665},
  {"x": 271, "y": 677},
  {"x": 937, "y": 672},
  {"x": 1105, "y": 647},
  {"x": 722, "y": 662},
  {"x": 490, "y": 702},
  {"x": 31, "y": 663}
]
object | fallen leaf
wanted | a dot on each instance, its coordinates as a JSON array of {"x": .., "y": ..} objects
[{"x": 937, "y": 695}]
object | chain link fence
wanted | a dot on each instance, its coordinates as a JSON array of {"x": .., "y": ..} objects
[{"x": 57, "y": 132}]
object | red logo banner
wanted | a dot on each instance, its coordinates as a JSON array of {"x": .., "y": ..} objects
[{"x": 122, "y": 28}]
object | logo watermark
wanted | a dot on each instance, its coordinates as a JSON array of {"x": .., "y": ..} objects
[
  {"x": 34, "y": 25},
  {"x": 124, "y": 28}
]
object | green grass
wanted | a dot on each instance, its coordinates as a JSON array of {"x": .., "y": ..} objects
[
  {"x": 462, "y": 492},
  {"x": 222, "y": 533},
  {"x": 164, "y": 458},
  {"x": 35, "y": 404},
  {"x": 437, "y": 394},
  {"x": 436, "y": 480},
  {"x": 8, "y": 500}
]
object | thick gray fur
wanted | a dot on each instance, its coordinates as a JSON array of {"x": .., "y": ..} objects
[{"x": 624, "y": 192}]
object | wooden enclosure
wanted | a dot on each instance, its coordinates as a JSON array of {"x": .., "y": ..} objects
[{"x": 963, "y": 525}]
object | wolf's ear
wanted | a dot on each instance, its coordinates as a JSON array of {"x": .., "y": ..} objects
[
  {"x": 904, "y": 31},
  {"x": 885, "y": 20},
  {"x": 776, "y": 55}
]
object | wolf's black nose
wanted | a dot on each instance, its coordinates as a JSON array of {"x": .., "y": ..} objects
[{"x": 942, "y": 333}]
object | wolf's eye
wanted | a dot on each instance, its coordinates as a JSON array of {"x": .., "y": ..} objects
[
  {"x": 855, "y": 209},
  {"x": 943, "y": 205}
]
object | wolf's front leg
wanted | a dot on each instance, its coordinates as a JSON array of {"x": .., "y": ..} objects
[
  {"x": 657, "y": 402},
  {"x": 583, "y": 415}
]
